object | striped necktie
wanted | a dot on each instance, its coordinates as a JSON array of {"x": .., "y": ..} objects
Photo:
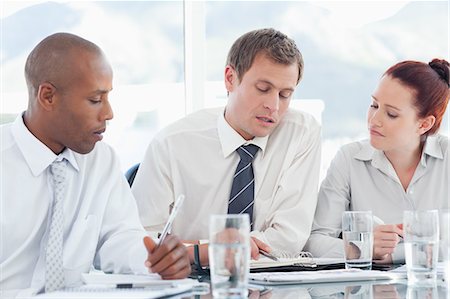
[
  {"x": 242, "y": 193},
  {"x": 54, "y": 271}
]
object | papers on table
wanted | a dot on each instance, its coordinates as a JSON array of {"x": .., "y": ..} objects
[
  {"x": 307, "y": 277},
  {"x": 265, "y": 264},
  {"x": 100, "y": 285},
  {"x": 441, "y": 267},
  {"x": 126, "y": 280}
]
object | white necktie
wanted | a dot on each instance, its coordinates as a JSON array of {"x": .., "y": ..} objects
[{"x": 54, "y": 271}]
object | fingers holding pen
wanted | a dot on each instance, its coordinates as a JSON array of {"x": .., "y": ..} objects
[
  {"x": 169, "y": 259},
  {"x": 386, "y": 238}
]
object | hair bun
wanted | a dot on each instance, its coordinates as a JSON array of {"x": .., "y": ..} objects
[{"x": 442, "y": 67}]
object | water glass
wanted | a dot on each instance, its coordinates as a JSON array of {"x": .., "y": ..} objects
[
  {"x": 357, "y": 234},
  {"x": 421, "y": 238},
  {"x": 444, "y": 242},
  {"x": 229, "y": 255}
]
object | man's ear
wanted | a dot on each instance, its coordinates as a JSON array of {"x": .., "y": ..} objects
[
  {"x": 426, "y": 124},
  {"x": 230, "y": 78},
  {"x": 46, "y": 96}
]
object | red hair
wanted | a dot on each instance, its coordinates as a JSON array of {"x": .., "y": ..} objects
[{"x": 430, "y": 82}]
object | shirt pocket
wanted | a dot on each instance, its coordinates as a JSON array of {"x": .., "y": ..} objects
[{"x": 79, "y": 249}]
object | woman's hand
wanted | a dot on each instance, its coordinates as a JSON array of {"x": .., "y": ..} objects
[{"x": 385, "y": 239}]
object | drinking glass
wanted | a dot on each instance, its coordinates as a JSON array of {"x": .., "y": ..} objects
[
  {"x": 229, "y": 255},
  {"x": 357, "y": 234},
  {"x": 421, "y": 238},
  {"x": 444, "y": 242}
]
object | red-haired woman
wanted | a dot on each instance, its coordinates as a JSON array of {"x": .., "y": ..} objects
[{"x": 403, "y": 166}]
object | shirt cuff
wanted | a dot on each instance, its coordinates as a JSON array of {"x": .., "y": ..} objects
[
  {"x": 260, "y": 236},
  {"x": 137, "y": 256}
]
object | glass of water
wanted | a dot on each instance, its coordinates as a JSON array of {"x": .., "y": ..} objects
[
  {"x": 357, "y": 234},
  {"x": 444, "y": 242},
  {"x": 421, "y": 237},
  {"x": 229, "y": 255}
]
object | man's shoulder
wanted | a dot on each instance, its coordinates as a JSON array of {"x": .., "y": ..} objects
[
  {"x": 297, "y": 129},
  {"x": 300, "y": 119},
  {"x": 194, "y": 123},
  {"x": 6, "y": 136}
]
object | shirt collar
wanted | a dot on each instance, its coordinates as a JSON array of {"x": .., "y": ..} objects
[
  {"x": 230, "y": 140},
  {"x": 36, "y": 154},
  {"x": 431, "y": 148}
]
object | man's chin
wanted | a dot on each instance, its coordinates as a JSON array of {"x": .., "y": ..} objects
[
  {"x": 83, "y": 150},
  {"x": 264, "y": 132}
]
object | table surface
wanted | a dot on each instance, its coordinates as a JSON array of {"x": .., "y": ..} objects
[{"x": 351, "y": 290}]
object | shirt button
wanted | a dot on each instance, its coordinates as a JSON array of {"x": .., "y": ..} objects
[{"x": 410, "y": 191}]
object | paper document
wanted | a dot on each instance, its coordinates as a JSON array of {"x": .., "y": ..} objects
[
  {"x": 107, "y": 292},
  {"x": 303, "y": 277},
  {"x": 101, "y": 285},
  {"x": 123, "y": 280},
  {"x": 313, "y": 263},
  {"x": 264, "y": 262},
  {"x": 440, "y": 269}
]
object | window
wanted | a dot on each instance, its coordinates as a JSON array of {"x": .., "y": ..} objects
[
  {"x": 168, "y": 56},
  {"x": 143, "y": 41},
  {"x": 346, "y": 45}
]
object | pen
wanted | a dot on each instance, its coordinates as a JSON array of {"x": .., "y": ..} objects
[
  {"x": 172, "y": 216},
  {"x": 160, "y": 286},
  {"x": 266, "y": 254}
]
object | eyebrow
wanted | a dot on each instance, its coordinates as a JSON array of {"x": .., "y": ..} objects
[
  {"x": 100, "y": 91},
  {"x": 271, "y": 84},
  {"x": 387, "y": 105}
]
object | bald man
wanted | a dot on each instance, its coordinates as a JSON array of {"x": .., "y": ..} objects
[{"x": 57, "y": 176}]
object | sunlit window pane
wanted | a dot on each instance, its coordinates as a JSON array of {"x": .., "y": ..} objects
[
  {"x": 143, "y": 41},
  {"x": 346, "y": 45}
]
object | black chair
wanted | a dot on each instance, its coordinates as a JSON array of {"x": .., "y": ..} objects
[{"x": 131, "y": 173}]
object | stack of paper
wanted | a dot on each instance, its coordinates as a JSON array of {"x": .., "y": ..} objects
[
  {"x": 302, "y": 277},
  {"x": 265, "y": 264},
  {"x": 100, "y": 285}
]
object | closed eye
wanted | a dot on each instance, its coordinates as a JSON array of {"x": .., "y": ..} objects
[
  {"x": 390, "y": 115},
  {"x": 285, "y": 95},
  {"x": 263, "y": 90},
  {"x": 95, "y": 100}
]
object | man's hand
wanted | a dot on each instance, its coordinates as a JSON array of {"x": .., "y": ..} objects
[
  {"x": 385, "y": 239},
  {"x": 169, "y": 259},
  {"x": 256, "y": 245}
]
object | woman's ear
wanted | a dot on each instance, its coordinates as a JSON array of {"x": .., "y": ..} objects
[
  {"x": 46, "y": 96},
  {"x": 426, "y": 124}
]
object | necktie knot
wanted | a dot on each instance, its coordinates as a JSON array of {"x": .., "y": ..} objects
[
  {"x": 58, "y": 171},
  {"x": 247, "y": 152}
]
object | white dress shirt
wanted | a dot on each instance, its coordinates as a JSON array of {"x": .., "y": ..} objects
[
  {"x": 362, "y": 178},
  {"x": 101, "y": 223},
  {"x": 196, "y": 156}
]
